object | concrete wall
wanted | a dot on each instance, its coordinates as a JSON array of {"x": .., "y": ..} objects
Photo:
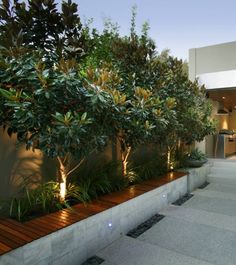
[
  {"x": 198, "y": 176},
  {"x": 74, "y": 244},
  {"x": 19, "y": 166},
  {"x": 214, "y": 58}
]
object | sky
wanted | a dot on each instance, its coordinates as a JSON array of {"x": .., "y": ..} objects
[{"x": 175, "y": 24}]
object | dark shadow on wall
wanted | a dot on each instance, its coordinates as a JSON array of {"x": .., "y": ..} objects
[
  {"x": 17, "y": 166},
  {"x": 8, "y": 156},
  {"x": 48, "y": 169}
]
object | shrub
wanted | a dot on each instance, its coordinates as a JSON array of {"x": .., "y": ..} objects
[{"x": 196, "y": 154}]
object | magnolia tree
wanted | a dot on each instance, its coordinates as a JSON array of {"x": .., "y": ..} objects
[
  {"x": 69, "y": 103},
  {"x": 51, "y": 110},
  {"x": 182, "y": 103},
  {"x": 192, "y": 120},
  {"x": 38, "y": 24},
  {"x": 137, "y": 113},
  {"x": 43, "y": 98}
]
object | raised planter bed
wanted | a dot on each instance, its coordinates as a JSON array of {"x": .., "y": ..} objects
[{"x": 89, "y": 228}]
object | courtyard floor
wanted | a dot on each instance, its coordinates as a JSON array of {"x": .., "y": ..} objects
[{"x": 199, "y": 232}]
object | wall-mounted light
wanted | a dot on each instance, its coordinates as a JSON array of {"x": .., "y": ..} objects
[{"x": 221, "y": 109}]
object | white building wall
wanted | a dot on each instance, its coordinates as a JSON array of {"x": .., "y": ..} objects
[
  {"x": 210, "y": 59},
  {"x": 215, "y": 67}
]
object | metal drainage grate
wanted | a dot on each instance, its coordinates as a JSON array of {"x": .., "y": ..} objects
[
  {"x": 183, "y": 199},
  {"x": 95, "y": 260},
  {"x": 204, "y": 185},
  {"x": 134, "y": 233}
]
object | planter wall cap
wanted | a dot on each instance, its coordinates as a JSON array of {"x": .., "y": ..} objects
[{"x": 196, "y": 163}]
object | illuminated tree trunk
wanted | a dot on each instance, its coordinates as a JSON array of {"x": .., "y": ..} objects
[
  {"x": 62, "y": 179},
  {"x": 124, "y": 158},
  {"x": 64, "y": 174}
]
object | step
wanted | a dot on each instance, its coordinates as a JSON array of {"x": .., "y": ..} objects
[
  {"x": 222, "y": 163},
  {"x": 214, "y": 205},
  {"x": 220, "y": 187},
  {"x": 215, "y": 194},
  {"x": 201, "y": 217},
  {"x": 224, "y": 171},
  {"x": 129, "y": 251},
  {"x": 224, "y": 180},
  {"x": 199, "y": 241}
]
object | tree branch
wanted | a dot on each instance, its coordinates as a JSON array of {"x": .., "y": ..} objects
[
  {"x": 77, "y": 166},
  {"x": 127, "y": 154},
  {"x": 66, "y": 156}
]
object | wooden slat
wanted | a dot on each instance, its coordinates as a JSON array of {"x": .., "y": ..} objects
[
  {"x": 85, "y": 209},
  {"x": 16, "y": 238},
  {"x": 22, "y": 228},
  {"x": 9, "y": 242},
  {"x": 14, "y": 234},
  {"x": 76, "y": 214},
  {"x": 4, "y": 248},
  {"x": 68, "y": 218},
  {"x": 58, "y": 220},
  {"x": 99, "y": 206},
  {"x": 45, "y": 223}
]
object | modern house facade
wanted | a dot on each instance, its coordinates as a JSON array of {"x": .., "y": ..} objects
[{"x": 215, "y": 67}]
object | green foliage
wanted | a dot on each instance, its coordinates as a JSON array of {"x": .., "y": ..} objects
[
  {"x": 38, "y": 25},
  {"x": 69, "y": 105},
  {"x": 31, "y": 203},
  {"x": 149, "y": 162},
  {"x": 49, "y": 109},
  {"x": 196, "y": 154},
  {"x": 101, "y": 180}
]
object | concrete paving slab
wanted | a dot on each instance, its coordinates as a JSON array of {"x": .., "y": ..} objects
[
  {"x": 129, "y": 251},
  {"x": 201, "y": 217},
  {"x": 220, "y": 179},
  {"x": 109, "y": 263},
  {"x": 215, "y": 194},
  {"x": 221, "y": 188},
  {"x": 199, "y": 241},
  {"x": 216, "y": 205}
]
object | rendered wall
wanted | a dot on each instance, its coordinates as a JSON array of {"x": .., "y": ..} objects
[
  {"x": 19, "y": 166},
  {"x": 214, "y": 58}
]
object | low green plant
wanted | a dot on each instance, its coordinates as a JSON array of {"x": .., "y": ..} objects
[
  {"x": 196, "y": 154},
  {"x": 92, "y": 187},
  {"x": 101, "y": 180},
  {"x": 44, "y": 199}
]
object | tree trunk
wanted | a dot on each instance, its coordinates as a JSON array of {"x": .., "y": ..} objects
[
  {"x": 64, "y": 173},
  {"x": 124, "y": 158},
  {"x": 62, "y": 179},
  {"x": 168, "y": 159}
]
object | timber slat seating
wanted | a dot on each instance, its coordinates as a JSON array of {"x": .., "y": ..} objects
[{"x": 14, "y": 234}]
